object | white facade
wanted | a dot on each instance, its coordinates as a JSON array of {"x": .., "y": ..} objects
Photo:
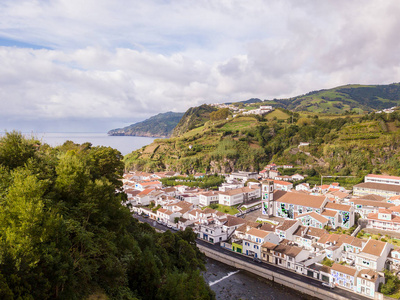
[
  {"x": 382, "y": 179},
  {"x": 205, "y": 199},
  {"x": 252, "y": 243}
]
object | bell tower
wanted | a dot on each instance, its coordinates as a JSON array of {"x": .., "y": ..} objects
[{"x": 268, "y": 204}]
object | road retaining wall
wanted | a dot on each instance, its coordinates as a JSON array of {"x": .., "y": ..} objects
[{"x": 270, "y": 275}]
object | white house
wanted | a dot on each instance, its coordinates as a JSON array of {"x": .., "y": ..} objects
[
  {"x": 213, "y": 233},
  {"x": 166, "y": 216},
  {"x": 344, "y": 276},
  {"x": 382, "y": 179},
  {"x": 303, "y": 187},
  {"x": 384, "y": 220},
  {"x": 287, "y": 229},
  {"x": 365, "y": 207},
  {"x": 207, "y": 198},
  {"x": 313, "y": 219},
  {"x": 243, "y": 176},
  {"x": 297, "y": 177},
  {"x": 290, "y": 204},
  {"x": 148, "y": 184},
  {"x": 238, "y": 196},
  {"x": 284, "y": 255},
  {"x": 255, "y": 238},
  {"x": 345, "y": 216},
  {"x": 280, "y": 185},
  {"x": 373, "y": 255},
  {"x": 368, "y": 282}
]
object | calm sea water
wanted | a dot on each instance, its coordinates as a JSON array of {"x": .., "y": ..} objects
[{"x": 125, "y": 144}]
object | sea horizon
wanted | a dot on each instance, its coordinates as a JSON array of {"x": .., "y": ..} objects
[{"x": 125, "y": 144}]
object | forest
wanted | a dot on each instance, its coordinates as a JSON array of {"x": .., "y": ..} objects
[{"x": 64, "y": 233}]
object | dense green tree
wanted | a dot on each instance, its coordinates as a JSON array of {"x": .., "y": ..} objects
[
  {"x": 64, "y": 233},
  {"x": 15, "y": 150}
]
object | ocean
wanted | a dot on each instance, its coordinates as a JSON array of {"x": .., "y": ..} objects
[{"x": 125, "y": 144}]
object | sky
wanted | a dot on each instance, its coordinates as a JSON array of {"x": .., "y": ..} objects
[{"x": 95, "y": 65}]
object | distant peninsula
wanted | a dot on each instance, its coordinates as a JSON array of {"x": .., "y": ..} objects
[{"x": 160, "y": 125}]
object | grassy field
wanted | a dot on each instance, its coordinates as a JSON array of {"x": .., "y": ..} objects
[
  {"x": 239, "y": 123},
  {"x": 394, "y": 242},
  {"x": 280, "y": 115},
  {"x": 231, "y": 210}
]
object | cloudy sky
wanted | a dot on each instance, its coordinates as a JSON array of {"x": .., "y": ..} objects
[{"x": 94, "y": 65}]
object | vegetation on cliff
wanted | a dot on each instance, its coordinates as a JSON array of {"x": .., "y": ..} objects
[
  {"x": 350, "y": 98},
  {"x": 193, "y": 118},
  {"x": 64, "y": 233},
  {"x": 160, "y": 125},
  {"x": 341, "y": 145}
]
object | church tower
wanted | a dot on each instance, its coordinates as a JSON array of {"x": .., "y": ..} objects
[{"x": 268, "y": 204}]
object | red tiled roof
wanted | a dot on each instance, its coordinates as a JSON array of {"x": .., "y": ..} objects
[
  {"x": 374, "y": 247},
  {"x": 258, "y": 232},
  {"x": 145, "y": 192},
  {"x": 314, "y": 215},
  {"x": 299, "y": 199},
  {"x": 383, "y": 176},
  {"x": 344, "y": 269},
  {"x": 282, "y": 182},
  {"x": 337, "y": 206}
]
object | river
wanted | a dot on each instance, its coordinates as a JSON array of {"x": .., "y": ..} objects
[{"x": 229, "y": 283}]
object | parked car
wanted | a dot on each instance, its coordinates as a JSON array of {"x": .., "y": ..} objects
[
  {"x": 329, "y": 285},
  {"x": 169, "y": 225}
]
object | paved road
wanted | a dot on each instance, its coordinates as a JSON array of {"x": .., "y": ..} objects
[{"x": 274, "y": 268}]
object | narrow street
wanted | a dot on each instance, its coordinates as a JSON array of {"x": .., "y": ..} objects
[{"x": 274, "y": 268}]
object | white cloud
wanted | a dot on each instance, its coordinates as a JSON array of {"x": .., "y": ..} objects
[{"x": 131, "y": 59}]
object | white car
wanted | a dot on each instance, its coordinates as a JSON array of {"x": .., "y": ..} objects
[{"x": 329, "y": 285}]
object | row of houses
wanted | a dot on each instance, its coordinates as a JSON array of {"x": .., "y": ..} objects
[
  {"x": 299, "y": 242},
  {"x": 357, "y": 263}
]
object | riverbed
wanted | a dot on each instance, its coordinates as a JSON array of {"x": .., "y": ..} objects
[{"x": 230, "y": 283}]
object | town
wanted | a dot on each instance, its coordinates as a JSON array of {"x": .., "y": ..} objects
[{"x": 318, "y": 231}]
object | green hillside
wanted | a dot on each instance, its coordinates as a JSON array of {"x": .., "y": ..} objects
[
  {"x": 160, "y": 125},
  {"x": 342, "y": 145},
  {"x": 350, "y": 98},
  {"x": 193, "y": 117}
]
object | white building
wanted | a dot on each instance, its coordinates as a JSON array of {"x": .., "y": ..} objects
[
  {"x": 238, "y": 196},
  {"x": 243, "y": 176},
  {"x": 382, "y": 179},
  {"x": 373, "y": 256},
  {"x": 254, "y": 240},
  {"x": 368, "y": 282},
  {"x": 207, "y": 198},
  {"x": 344, "y": 276}
]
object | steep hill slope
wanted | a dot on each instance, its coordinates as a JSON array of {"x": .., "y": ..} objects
[
  {"x": 193, "y": 117},
  {"x": 160, "y": 125},
  {"x": 356, "y": 98},
  {"x": 341, "y": 145}
]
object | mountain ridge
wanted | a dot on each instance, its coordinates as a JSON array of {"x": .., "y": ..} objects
[{"x": 160, "y": 125}]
